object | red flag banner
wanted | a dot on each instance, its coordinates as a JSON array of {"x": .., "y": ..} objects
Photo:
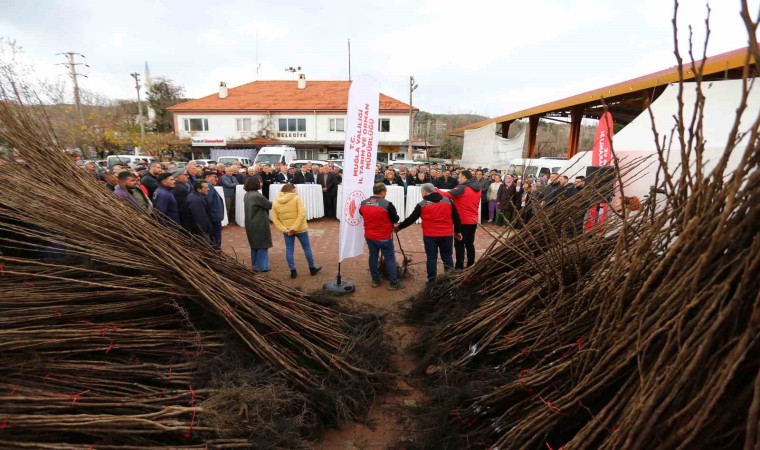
[{"x": 601, "y": 155}]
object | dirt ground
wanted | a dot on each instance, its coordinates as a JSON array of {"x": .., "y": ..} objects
[{"x": 387, "y": 426}]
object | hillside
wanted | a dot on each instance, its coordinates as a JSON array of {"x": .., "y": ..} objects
[
  {"x": 551, "y": 138},
  {"x": 433, "y": 128}
]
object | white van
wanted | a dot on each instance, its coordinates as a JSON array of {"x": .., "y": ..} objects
[
  {"x": 273, "y": 155},
  {"x": 577, "y": 164},
  {"x": 525, "y": 167},
  {"x": 230, "y": 160},
  {"x": 130, "y": 161}
]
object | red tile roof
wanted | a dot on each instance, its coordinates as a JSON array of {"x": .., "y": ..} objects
[{"x": 285, "y": 96}]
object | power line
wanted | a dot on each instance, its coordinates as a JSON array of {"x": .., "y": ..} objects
[
  {"x": 136, "y": 76},
  {"x": 71, "y": 64}
]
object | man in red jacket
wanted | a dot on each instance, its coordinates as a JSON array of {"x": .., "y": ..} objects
[
  {"x": 440, "y": 223},
  {"x": 466, "y": 197},
  {"x": 379, "y": 218}
]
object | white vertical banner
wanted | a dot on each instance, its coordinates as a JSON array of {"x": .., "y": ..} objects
[{"x": 359, "y": 159}]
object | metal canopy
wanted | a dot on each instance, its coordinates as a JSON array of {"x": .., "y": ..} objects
[{"x": 624, "y": 100}]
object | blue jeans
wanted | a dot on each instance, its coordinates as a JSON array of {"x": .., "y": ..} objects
[
  {"x": 432, "y": 245},
  {"x": 389, "y": 253},
  {"x": 290, "y": 242},
  {"x": 260, "y": 259}
]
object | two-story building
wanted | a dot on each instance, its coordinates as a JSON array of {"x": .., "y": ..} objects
[{"x": 310, "y": 116}]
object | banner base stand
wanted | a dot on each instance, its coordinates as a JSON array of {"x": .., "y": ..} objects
[{"x": 339, "y": 287}]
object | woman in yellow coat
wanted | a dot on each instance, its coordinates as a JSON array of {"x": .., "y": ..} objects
[{"x": 289, "y": 216}]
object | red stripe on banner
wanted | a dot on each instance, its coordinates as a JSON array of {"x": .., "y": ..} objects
[{"x": 601, "y": 155}]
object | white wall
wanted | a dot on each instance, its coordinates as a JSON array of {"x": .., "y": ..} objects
[{"x": 317, "y": 126}]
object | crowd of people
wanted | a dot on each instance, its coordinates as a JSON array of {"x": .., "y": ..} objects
[
  {"x": 453, "y": 202},
  {"x": 186, "y": 198},
  {"x": 504, "y": 197}
]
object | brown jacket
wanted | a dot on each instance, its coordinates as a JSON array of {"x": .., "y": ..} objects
[{"x": 506, "y": 197}]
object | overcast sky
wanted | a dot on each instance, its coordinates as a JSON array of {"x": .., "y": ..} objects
[{"x": 484, "y": 57}]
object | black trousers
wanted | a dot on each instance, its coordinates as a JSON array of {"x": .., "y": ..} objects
[
  {"x": 484, "y": 211},
  {"x": 327, "y": 199},
  {"x": 466, "y": 244}
]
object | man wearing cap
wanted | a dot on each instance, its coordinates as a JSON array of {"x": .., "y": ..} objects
[
  {"x": 215, "y": 209},
  {"x": 379, "y": 217},
  {"x": 440, "y": 224},
  {"x": 197, "y": 219},
  {"x": 182, "y": 188},
  {"x": 164, "y": 201}
]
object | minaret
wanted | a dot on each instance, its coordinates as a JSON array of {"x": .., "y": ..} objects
[
  {"x": 147, "y": 77},
  {"x": 148, "y": 84}
]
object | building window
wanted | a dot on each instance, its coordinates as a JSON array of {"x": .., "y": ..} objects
[
  {"x": 385, "y": 125},
  {"x": 243, "y": 125},
  {"x": 308, "y": 153},
  {"x": 292, "y": 125},
  {"x": 196, "y": 124},
  {"x": 337, "y": 124}
]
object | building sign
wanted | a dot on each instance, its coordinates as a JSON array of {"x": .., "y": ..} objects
[
  {"x": 293, "y": 134},
  {"x": 208, "y": 141}
]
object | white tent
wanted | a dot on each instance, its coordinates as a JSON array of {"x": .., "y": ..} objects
[
  {"x": 483, "y": 148},
  {"x": 637, "y": 138}
]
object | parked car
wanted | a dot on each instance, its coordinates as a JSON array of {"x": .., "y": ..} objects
[
  {"x": 297, "y": 163},
  {"x": 102, "y": 163},
  {"x": 130, "y": 161},
  {"x": 230, "y": 160},
  {"x": 204, "y": 162}
]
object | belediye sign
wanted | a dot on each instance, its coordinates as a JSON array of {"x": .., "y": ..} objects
[
  {"x": 208, "y": 141},
  {"x": 286, "y": 134}
]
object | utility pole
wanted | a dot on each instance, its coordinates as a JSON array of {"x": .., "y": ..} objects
[
  {"x": 71, "y": 64},
  {"x": 258, "y": 65},
  {"x": 136, "y": 76},
  {"x": 412, "y": 87},
  {"x": 349, "y": 59},
  {"x": 427, "y": 133}
]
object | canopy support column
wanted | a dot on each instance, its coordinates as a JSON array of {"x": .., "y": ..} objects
[
  {"x": 576, "y": 115},
  {"x": 505, "y": 128},
  {"x": 533, "y": 124}
]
